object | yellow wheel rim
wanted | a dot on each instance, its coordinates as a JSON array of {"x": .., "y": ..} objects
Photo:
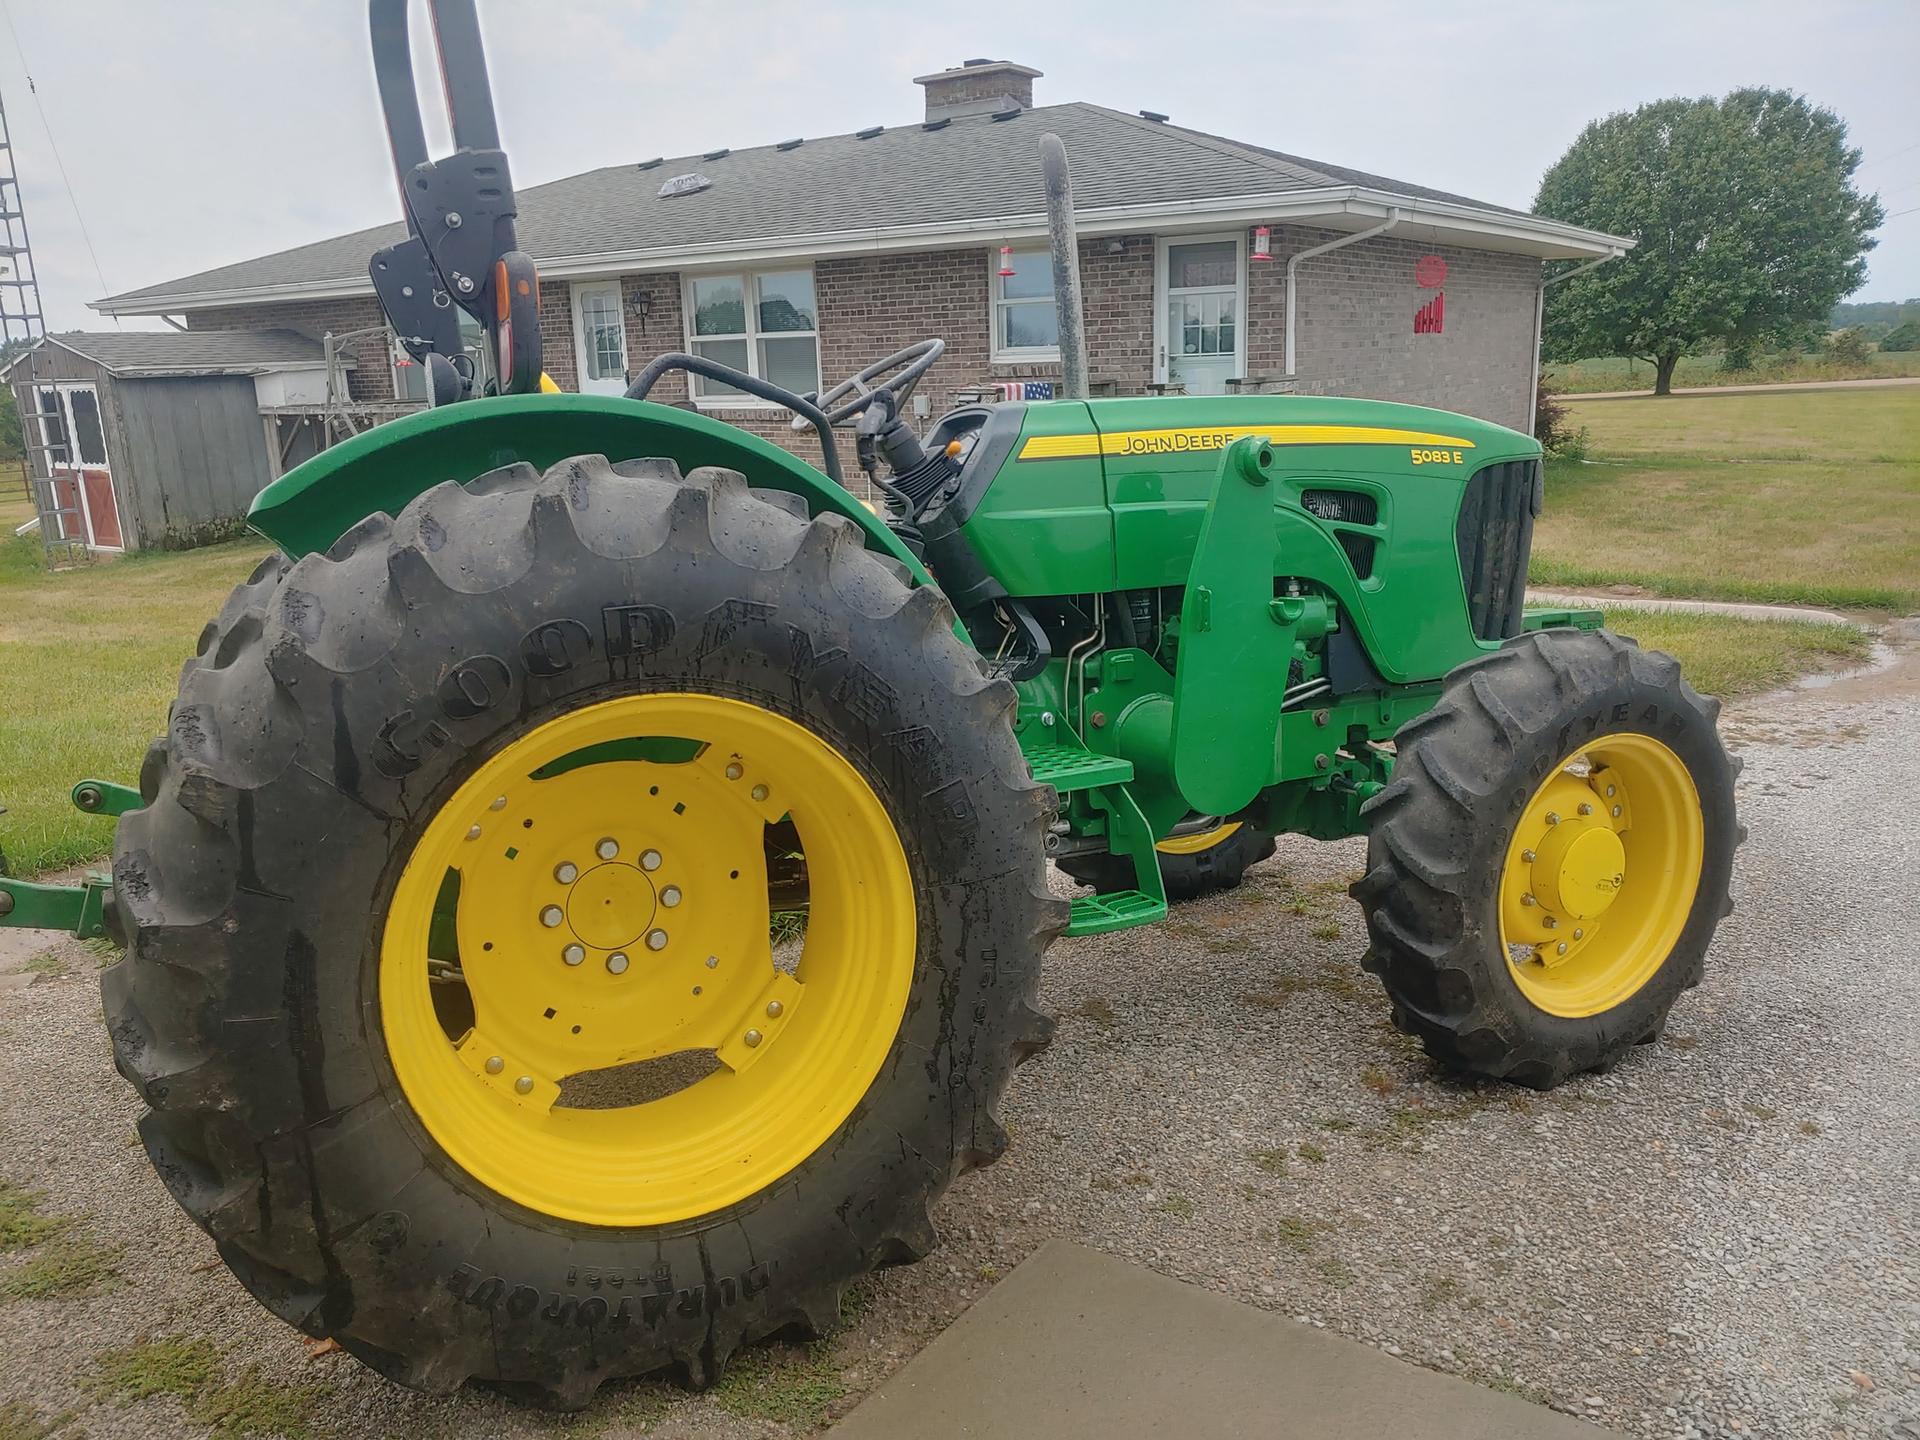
[
  {"x": 611, "y": 909},
  {"x": 1601, "y": 875},
  {"x": 1199, "y": 841}
]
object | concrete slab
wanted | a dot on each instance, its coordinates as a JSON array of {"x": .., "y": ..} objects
[{"x": 1075, "y": 1345}]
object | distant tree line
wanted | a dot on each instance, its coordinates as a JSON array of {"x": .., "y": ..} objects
[{"x": 1874, "y": 318}]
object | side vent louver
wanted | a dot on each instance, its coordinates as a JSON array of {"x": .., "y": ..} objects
[{"x": 1348, "y": 507}]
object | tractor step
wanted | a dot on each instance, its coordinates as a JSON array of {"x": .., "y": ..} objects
[
  {"x": 1073, "y": 767},
  {"x": 1120, "y": 910}
]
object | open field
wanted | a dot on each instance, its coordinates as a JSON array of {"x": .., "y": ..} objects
[
  {"x": 88, "y": 661},
  {"x": 1808, "y": 497},
  {"x": 1618, "y": 372},
  {"x": 16, "y": 501},
  {"x": 1729, "y": 657}
]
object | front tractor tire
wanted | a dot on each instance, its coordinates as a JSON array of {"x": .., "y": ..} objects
[
  {"x": 450, "y": 988},
  {"x": 1547, "y": 866}
]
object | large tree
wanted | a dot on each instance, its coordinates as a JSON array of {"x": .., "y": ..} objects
[{"x": 1747, "y": 224}]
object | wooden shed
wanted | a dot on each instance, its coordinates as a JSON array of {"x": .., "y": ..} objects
[{"x": 156, "y": 438}]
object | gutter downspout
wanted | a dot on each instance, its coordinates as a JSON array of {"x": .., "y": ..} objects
[
  {"x": 1540, "y": 315},
  {"x": 1293, "y": 264}
]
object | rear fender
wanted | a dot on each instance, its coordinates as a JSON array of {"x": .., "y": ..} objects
[{"x": 312, "y": 506}]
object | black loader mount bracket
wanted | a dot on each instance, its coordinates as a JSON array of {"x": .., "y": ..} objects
[{"x": 460, "y": 252}]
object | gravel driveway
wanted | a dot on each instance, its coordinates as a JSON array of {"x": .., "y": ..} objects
[{"x": 1719, "y": 1238}]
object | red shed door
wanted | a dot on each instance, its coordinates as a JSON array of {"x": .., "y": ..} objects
[{"x": 89, "y": 467}]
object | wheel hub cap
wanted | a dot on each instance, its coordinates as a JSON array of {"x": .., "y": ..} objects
[
  {"x": 611, "y": 906},
  {"x": 1580, "y": 870}
]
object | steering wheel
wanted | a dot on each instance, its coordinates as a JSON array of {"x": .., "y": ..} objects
[{"x": 910, "y": 364}]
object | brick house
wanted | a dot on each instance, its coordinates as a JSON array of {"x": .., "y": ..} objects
[{"x": 806, "y": 260}]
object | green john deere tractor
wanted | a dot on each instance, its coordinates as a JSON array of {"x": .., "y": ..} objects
[{"x": 454, "y": 985}]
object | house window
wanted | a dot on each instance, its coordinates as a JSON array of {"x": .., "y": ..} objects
[
  {"x": 776, "y": 337},
  {"x": 1025, "y": 326}
]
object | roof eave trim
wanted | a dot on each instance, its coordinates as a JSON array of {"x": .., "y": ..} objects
[{"x": 1555, "y": 239}]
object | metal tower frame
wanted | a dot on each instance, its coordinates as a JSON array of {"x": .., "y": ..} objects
[{"x": 23, "y": 321}]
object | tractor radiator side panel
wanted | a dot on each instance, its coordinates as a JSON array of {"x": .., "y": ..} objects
[{"x": 1494, "y": 535}]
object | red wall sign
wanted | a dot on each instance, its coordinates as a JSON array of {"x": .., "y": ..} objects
[{"x": 1430, "y": 272}]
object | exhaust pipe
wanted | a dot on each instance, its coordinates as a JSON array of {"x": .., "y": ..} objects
[{"x": 1065, "y": 244}]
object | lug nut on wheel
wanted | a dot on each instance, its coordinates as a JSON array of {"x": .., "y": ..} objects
[
  {"x": 566, "y": 872},
  {"x": 656, "y": 940},
  {"x": 617, "y": 963},
  {"x": 574, "y": 954},
  {"x": 552, "y": 916},
  {"x": 607, "y": 849},
  {"x": 670, "y": 896},
  {"x": 649, "y": 859}
]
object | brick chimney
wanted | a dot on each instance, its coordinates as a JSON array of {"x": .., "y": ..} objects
[{"x": 978, "y": 87}]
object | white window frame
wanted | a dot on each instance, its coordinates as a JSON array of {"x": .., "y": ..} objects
[
  {"x": 997, "y": 301},
  {"x": 750, "y": 292}
]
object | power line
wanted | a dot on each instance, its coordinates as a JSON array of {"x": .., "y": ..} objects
[
  {"x": 1882, "y": 159},
  {"x": 1910, "y": 210},
  {"x": 59, "y": 164}
]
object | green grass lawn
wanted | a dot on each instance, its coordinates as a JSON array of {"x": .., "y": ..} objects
[
  {"x": 1809, "y": 497},
  {"x": 1727, "y": 656},
  {"x": 88, "y": 663},
  {"x": 16, "y": 501},
  {"x": 1618, "y": 372}
]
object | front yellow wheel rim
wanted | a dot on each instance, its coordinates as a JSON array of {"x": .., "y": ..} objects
[
  {"x": 610, "y": 908},
  {"x": 1199, "y": 841},
  {"x": 1601, "y": 875}
]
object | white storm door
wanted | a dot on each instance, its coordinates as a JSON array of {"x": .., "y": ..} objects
[
  {"x": 600, "y": 339},
  {"x": 1200, "y": 288}
]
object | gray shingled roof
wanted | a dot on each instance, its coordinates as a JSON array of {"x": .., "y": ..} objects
[
  {"x": 139, "y": 353},
  {"x": 974, "y": 169}
]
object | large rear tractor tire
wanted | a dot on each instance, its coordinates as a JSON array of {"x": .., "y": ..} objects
[
  {"x": 1202, "y": 863},
  {"x": 450, "y": 986},
  {"x": 1548, "y": 864}
]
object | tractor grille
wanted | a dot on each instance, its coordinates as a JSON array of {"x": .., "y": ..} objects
[
  {"x": 1354, "y": 507},
  {"x": 1494, "y": 535}
]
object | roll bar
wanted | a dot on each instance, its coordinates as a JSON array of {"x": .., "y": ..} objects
[{"x": 461, "y": 252}]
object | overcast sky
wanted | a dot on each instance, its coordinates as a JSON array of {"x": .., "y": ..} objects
[{"x": 198, "y": 132}]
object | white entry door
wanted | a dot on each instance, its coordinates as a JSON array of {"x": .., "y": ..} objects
[
  {"x": 1201, "y": 299},
  {"x": 600, "y": 339}
]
